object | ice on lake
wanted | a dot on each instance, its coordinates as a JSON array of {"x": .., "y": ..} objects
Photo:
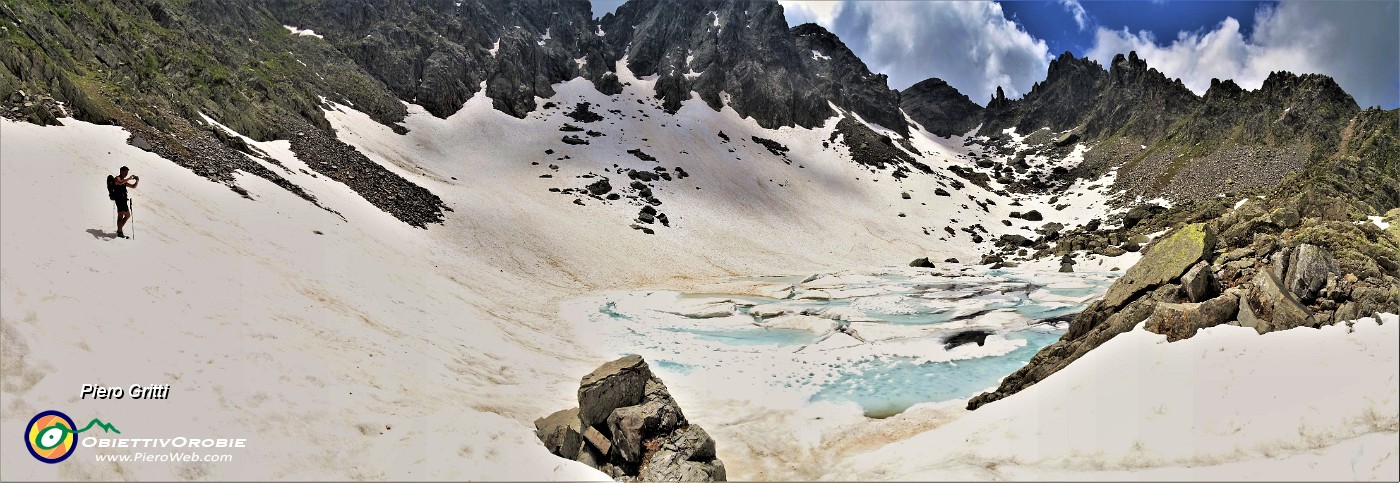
[{"x": 881, "y": 341}]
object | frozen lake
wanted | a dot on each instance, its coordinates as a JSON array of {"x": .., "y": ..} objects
[{"x": 883, "y": 341}]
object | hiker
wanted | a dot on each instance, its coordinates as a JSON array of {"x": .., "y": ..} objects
[{"x": 116, "y": 190}]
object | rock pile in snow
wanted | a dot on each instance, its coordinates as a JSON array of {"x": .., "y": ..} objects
[
  {"x": 1297, "y": 263},
  {"x": 381, "y": 187},
  {"x": 628, "y": 426}
]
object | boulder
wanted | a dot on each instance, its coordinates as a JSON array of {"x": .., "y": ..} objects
[
  {"x": 561, "y": 432},
  {"x": 1243, "y": 232},
  {"x": 1278, "y": 262},
  {"x": 632, "y": 426},
  {"x": 1139, "y": 213},
  {"x": 1268, "y": 307},
  {"x": 921, "y": 263},
  {"x": 1066, "y": 264},
  {"x": 1032, "y": 215},
  {"x": 1164, "y": 262},
  {"x": 596, "y": 440},
  {"x": 1110, "y": 251},
  {"x": 600, "y": 187},
  {"x": 1015, "y": 240},
  {"x": 616, "y": 384},
  {"x": 1307, "y": 271},
  {"x": 1286, "y": 217},
  {"x": 1181, "y": 321},
  {"x": 1236, "y": 254},
  {"x": 645, "y": 437},
  {"x": 687, "y": 455},
  {"x": 140, "y": 143},
  {"x": 1199, "y": 283}
]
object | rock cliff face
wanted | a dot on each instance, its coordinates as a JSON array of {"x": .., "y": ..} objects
[
  {"x": 837, "y": 74},
  {"x": 438, "y": 54},
  {"x": 778, "y": 76}
]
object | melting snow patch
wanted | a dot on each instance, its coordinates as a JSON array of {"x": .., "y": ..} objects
[{"x": 303, "y": 33}]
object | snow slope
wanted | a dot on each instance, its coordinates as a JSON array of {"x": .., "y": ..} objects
[
  {"x": 373, "y": 350},
  {"x": 1303, "y": 404},
  {"x": 438, "y": 347}
]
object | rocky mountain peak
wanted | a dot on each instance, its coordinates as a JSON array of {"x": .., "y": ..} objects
[
  {"x": 1226, "y": 89},
  {"x": 1070, "y": 88},
  {"x": 810, "y": 29},
  {"x": 846, "y": 79},
  {"x": 940, "y": 108},
  {"x": 1066, "y": 65},
  {"x": 1306, "y": 88},
  {"x": 999, "y": 100},
  {"x": 778, "y": 76},
  {"x": 1128, "y": 69}
]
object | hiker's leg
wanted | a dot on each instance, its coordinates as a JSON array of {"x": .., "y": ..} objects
[{"x": 121, "y": 219}]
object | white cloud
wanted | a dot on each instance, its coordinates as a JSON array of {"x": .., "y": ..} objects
[
  {"x": 1354, "y": 42},
  {"x": 1081, "y": 17},
  {"x": 971, "y": 45},
  {"x": 819, "y": 12}
]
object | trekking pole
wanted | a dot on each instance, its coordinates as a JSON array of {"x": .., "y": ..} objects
[{"x": 133, "y": 217}]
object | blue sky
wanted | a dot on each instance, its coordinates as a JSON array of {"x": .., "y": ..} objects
[
  {"x": 978, "y": 46},
  {"x": 1054, "y": 22}
]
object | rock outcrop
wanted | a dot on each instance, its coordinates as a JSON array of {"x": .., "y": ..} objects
[
  {"x": 1181, "y": 320},
  {"x": 940, "y": 108},
  {"x": 1164, "y": 262},
  {"x": 1298, "y": 259},
  {"x": 628, "y": 426}
]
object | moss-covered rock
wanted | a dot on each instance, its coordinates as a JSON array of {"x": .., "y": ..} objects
[{"x": 1164, "y": 261}]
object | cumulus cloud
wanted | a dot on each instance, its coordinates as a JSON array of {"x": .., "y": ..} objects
[
  {"x": 970, "y": 45},
  {"x": 1354, "y": 42},
  {"x": 1081, "y": 17},
  {"x": 819, "y": 12}
]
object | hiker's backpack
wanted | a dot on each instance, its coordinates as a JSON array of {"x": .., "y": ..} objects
[{"x": 111, "y": 191}]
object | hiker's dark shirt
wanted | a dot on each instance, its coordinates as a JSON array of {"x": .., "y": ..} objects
[{"x": 119, "y": 189}]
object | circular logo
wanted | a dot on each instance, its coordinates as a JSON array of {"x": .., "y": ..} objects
[{"x": 50, "y": 436}]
